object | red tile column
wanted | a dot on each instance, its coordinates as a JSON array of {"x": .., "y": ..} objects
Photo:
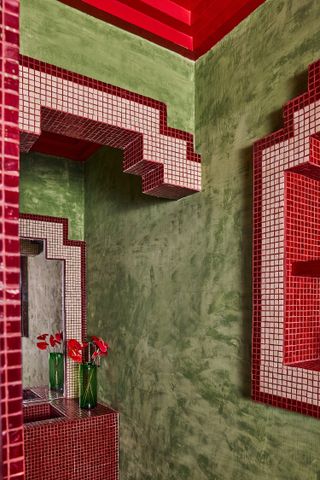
[{"x": 10, "y": 341}]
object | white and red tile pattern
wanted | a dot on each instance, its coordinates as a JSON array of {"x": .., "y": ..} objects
[
  {"x": 62, "y": 102},
  {"x": 286, "y": 260},
  {"x": 11, "y": 429},
  {"x": 57, "y": 246}
]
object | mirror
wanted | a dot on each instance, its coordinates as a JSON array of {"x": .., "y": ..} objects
[
  {"x": 42, "y": 312},
  {"x": 53, "y": 302}
]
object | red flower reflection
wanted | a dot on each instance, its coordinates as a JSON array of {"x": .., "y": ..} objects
[{"x": 54, "y": 340}]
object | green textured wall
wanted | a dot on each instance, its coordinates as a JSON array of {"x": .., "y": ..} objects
[
  {"x": 53, "y": 186},
  {"x": 169, "y": 282},
  {"x": 63, "y": 36}
]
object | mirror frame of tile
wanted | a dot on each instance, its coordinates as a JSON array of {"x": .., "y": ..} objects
[
  {"x": 286, "y": 258},
  {"x": 54, "y": 232}
]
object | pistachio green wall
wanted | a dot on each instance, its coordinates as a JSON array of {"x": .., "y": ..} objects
[
  {"x": 63, "y": 36},
  {"x": 53, "y": 186},
  {"x": 169, "y": 282}
]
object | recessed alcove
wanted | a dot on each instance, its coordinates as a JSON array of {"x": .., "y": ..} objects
[{"x": 302, "y": 267}]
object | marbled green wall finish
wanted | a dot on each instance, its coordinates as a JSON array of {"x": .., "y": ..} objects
[
  {"x": 169, "y": 282},
  {"x": 53, "y": 186},
  {"x": 63, "y": 36}
]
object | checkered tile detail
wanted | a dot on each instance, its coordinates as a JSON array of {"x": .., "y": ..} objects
[
  {"x": 57, "y": 246},
  {"x": 11, "y": 441},
  {"x": 62, "y": 102},
  {"x": 74, "y": 444},
  {"x": 286, "y": 258}
]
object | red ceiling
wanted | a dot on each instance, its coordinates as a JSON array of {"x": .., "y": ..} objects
[{"x": 189, "y": 27}]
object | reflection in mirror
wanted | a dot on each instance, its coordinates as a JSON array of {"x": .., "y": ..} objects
[{"x": 42, "y": 310}]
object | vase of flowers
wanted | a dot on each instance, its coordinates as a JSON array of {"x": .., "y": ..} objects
[
  {"x": 56, "y": 364},
  {"x": 88, "y": 355}
]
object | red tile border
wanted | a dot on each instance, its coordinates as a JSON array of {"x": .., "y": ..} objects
[{"x": 11, "y": 448}]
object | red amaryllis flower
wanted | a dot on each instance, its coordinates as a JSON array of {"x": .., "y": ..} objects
[
  {"x": 43, "y": 336},
  {"x": 59, "y": 337},
  {"x": 56, "y": 339},
  {"x": 102, "y": 346},
  {"x": 53, "y": 340},
  {"x": 75, "y": 350}
]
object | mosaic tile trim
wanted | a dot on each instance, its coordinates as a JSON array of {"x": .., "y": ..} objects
[
  {"x": 62, "y": 102},
  {"x": 73, "y": 253},
  {"x": 286, "y": 280},
  {"x": 85, "y": 442},
  {"x": 11, "y": 428}
]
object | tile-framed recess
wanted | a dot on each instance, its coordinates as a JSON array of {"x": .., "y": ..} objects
[
  {"x": 62, "y": 102},
  {"x": 286, "y": 258},
  {"x": 11, "y": 445},
  {"x": 54, "y": 231}
]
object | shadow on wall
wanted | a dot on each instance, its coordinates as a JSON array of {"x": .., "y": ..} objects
[
  {"x": 126, "y": 194},
  {"x": 246, "y": 158},
  {"x": 297, "y": 85}
]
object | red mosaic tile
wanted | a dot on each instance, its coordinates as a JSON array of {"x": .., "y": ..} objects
[
  {"x": 68, "y": 443},
  {"x": 286, "y": 298},
  {"x": 64, "y": 103},
  {"x": 10, "y": 342}
]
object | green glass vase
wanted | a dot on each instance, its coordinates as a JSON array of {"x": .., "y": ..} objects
[
  {"x": 88, "y": 385},
  {"x": 56, "y": 371}
]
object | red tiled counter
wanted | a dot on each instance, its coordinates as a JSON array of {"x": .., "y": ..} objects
[{"x": 63, "y": 442}]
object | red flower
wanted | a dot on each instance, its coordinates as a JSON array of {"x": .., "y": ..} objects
[
  {"x": 59, "y": 337},
  {"x": 43, "y": 336},
  {"x": 75, "y": 350},
  {"x": 54, "y": 340},
  {"x": 101, "y": 345}
]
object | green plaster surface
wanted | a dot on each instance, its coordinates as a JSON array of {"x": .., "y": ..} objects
[
  {"x": 53, "y": 186},
  {"x": 169, "y": 282},
  {"x": 58, "y": 34}
]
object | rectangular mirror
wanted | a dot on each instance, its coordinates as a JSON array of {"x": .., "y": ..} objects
[{"x": 42, "y": 312}]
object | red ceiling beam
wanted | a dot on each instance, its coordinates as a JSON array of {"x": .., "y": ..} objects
[
  {"x": 189, "y": 27},
  {"x": 140, "y": 20},
  {"x": 126, "y": 25},
  {"x": 171, "y": 9}
]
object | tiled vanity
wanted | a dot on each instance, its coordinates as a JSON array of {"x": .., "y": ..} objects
[{"x": 63, "y": 442}]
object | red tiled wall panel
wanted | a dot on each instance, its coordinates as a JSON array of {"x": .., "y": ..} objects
[
  {"x": 286, "y": 258},
  {"x": 10, "y": 345}
]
